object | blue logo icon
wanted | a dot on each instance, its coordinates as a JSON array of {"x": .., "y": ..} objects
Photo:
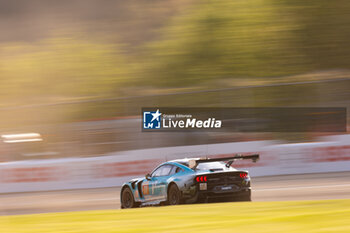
[{"x": 151, "y": 120}]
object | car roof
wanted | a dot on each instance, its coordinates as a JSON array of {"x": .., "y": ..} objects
[{"x": 183, "y": 161}]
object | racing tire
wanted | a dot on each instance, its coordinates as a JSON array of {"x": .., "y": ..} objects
[
  {"x": 174, "y": 195},
  {"x": 127, "y": 199}
]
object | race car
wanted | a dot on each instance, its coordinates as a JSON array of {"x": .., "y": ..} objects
[{"x": 189, "y": 180}]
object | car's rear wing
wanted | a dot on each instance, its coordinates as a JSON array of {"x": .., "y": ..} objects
[{"x": 194, "y": 163}]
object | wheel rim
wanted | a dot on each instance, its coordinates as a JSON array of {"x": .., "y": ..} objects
[{"x": 127, "y": 199}]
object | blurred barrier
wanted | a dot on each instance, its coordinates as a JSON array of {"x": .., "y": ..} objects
[{"x": 330, "y": 155}]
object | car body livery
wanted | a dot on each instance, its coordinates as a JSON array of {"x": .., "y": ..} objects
[{"x": 189, "y": 181}]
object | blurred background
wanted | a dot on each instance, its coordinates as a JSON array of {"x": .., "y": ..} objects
[
  {"x": 78, "y": 72},
  {"x": 74, "y": 75}
]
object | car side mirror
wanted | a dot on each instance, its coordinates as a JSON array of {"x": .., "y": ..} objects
[{"x": 148, "y": 176}]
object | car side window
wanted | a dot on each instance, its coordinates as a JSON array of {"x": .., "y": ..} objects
[
  {"x": 175, "y": 170},
  {"x": 178, "y": 170},
  {"x": 166, "y": 170},
  {"x": 162, "y": 171}
]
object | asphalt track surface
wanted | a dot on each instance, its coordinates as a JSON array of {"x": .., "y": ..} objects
[{"x": 274, "y": 188}]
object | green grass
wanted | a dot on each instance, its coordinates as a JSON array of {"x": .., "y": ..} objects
[{"x": 293, "y": 216}]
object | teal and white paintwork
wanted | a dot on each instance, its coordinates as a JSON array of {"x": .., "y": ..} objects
[{"x": 154, "y": 189}]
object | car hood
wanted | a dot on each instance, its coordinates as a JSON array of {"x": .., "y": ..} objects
[{"x": 136, "y": 179}]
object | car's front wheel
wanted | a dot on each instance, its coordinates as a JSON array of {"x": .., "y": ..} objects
[
  {"x": 127, "y": 200},
  {"x": 174, "y": 195}
]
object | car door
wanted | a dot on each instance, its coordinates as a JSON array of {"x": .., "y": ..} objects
[
  {"x": 148, "y": 185},
  {"x": 162, "y": 180},
  {"x": 155, "y": 187}
]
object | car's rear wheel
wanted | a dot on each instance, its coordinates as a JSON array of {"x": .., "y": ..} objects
[
  {"x": 174, "y": 195},
  {"x": 127, "y": 199}
]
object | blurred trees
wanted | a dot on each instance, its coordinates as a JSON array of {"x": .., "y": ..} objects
[
  {"x": 324, "y": 32},
  {"x": 224, "y": 39},
  {"x": 255, "y": 38},
  {"x": 211, "y": 41},
  {"x": 59, "y": 68}
]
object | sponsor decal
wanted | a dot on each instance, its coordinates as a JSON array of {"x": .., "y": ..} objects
[
  {"x": 30, "y": 174},
  {"x": 128, "y": 168},
  {"x": 145, "y": 189},
  {"x": 330, "y": 154}
]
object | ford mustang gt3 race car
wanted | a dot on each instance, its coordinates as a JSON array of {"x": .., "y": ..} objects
[{"x": 189, "y": 181}]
